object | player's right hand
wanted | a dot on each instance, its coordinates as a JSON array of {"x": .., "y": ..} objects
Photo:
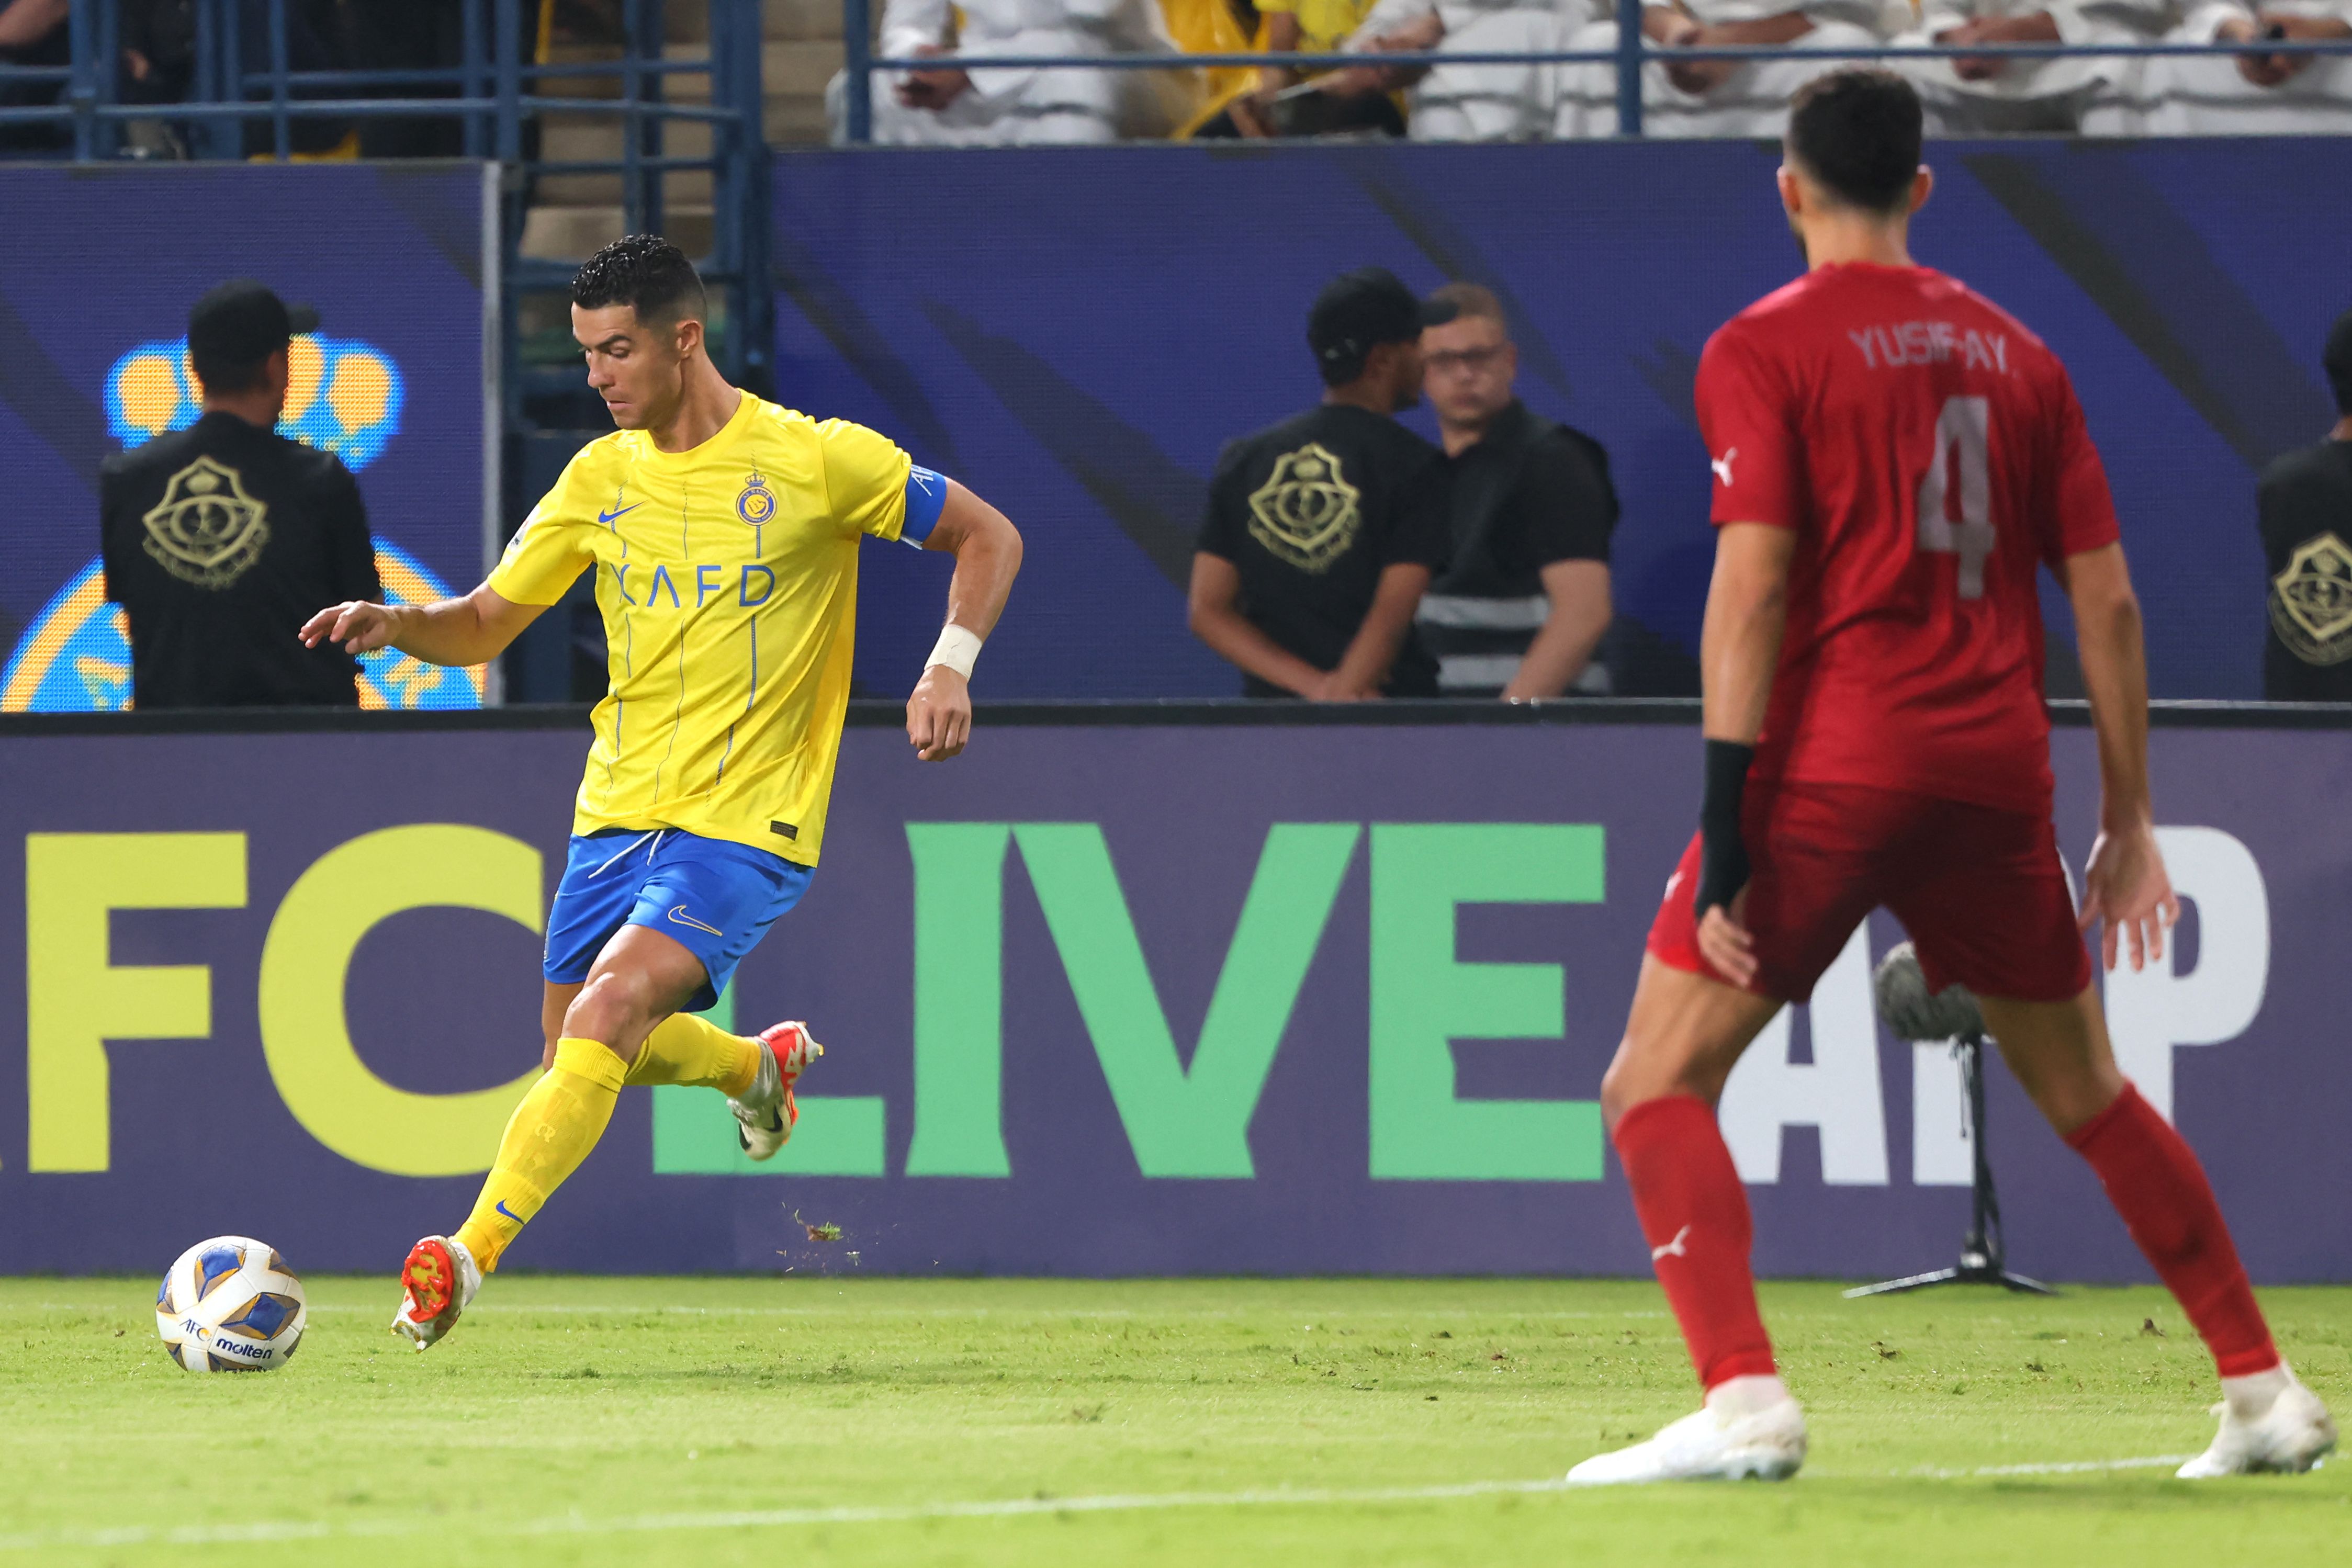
[
  {"x": 359, "y": 626},
  {"x": 1726, "y": 944},
  {"x": 2125, "y": 885}
]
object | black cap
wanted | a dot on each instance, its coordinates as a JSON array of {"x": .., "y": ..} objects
[
  {"x": 1359, "y": 310},
  {"x": 242, "y": 322}
]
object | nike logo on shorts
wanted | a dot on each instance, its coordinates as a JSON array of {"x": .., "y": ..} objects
[{"x": 683, "y": 918}]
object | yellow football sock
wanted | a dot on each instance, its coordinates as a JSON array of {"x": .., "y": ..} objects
[
  {"x": 548, "y": 1134},
  {"x": 686, "y": 1048}
]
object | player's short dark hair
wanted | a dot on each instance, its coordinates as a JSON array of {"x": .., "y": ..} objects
[
  {"x": 645, "y": 272},
  {"x": 1856, "y": 132},
  {"x": 2337, "y": 361}
]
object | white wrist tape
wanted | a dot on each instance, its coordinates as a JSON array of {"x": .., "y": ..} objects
[{"x": 957, "y": 649}]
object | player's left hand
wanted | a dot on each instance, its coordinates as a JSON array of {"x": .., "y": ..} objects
[
  {"x": 2125, "y": 885},
  {"x": 1726, "y": 944},
  {"x": 939, "y": 715}
]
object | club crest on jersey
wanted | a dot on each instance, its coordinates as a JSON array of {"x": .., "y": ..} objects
[
  {"x": 207, "y": 530},
  {"x": 2311, "y": 601},
  {"x": 1306, "y": 512},
  {"x": 756, "y": 503}
]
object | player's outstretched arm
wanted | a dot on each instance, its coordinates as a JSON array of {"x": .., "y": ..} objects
[
  {"x": 2125, "y": 883},
  {"x": 1739, "y": 646},
  {"x": 473, "y": 630},
  {"x": 987, "y": 550}
]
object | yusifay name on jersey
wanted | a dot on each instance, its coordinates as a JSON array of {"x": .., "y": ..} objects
[
  {"x": 1931, "y": 343},
  {"x": 708, "y": 579}
]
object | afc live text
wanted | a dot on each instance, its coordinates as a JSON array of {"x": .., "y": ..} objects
[{"x": 1185, "y": 1113}]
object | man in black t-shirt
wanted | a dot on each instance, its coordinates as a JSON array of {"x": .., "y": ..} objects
[
  {"x": 220, "y": 539},
  {"x": 1323, "y": 531},
  {"x": 1520, "y": 611},
  {"x": 2306, "y": 505}
]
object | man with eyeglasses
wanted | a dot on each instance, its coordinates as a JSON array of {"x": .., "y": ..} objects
[{"x": 1520, "y": 612}]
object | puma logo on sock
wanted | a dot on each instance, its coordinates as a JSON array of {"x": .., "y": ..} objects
[{"x": 1673, "y": 1249}]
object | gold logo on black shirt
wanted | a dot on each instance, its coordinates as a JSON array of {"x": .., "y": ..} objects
[
  {"x": 1306, "y": 512},
  {"x": 2311, "y": 601},
  {"x": 207, "y": 530}
]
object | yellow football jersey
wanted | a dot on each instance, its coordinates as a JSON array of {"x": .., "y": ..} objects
[{"x": 727, "y": 579}]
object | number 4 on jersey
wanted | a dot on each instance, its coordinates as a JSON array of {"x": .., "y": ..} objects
[{"x": 1955, "y": 494}]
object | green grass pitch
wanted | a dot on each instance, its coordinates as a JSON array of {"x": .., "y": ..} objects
[{"x": 835, "y": 1421}]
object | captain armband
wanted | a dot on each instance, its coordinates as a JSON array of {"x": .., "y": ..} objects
[{"x": 927, "y": 497}]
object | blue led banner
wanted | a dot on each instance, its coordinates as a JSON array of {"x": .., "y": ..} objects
[
  {"x": 93, "y": 360},
  {"x": 1105, "y": 319}
]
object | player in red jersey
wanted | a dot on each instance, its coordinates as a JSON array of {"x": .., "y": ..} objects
[{"x": 1895, "y": 459}]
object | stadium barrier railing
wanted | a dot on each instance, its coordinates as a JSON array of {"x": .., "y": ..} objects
[
  {"x": 1631, "y": 53},
  {"x": 1112, "y": 713}
]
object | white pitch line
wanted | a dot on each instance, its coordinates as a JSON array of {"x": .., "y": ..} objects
[
  {"x": 1007, "y": 1507},
  {"x": 754, "y": 1519},
  {"x": 2080, "y": 1467}
]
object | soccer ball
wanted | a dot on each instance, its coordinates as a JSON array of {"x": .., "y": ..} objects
[{"x": 230, "y": 1304}]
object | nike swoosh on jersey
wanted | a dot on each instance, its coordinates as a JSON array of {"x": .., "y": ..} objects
[
  {"x": 605, "y": 518},
  {"x": 683, "y": 918}
]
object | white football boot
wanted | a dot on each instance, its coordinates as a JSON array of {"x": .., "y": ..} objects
[
  {"x": 436, "y": 1285},
  {"x": 1707, "y": 1446},
  {"x": 767, "y": 1110},
  {"x": 2291, "y": 1435}
]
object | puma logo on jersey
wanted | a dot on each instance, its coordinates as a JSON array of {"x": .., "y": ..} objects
[
  {"x": 1673, "y": 1249},
  {"x": 1722, "y": 466}
]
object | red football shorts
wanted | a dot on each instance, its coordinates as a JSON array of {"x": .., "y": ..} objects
[{"x": 1981, "y": 890}]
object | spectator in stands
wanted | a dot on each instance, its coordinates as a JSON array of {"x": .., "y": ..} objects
[
  {"x": 2245, "y": 95},
  {"x": 1285, "y": 102},
  {"x": 1520, "y": 610},
  {"x": 1713, "y": 98},
  {"x": 1323, "y": 531},
  {"x": 966, "y": 104},
  {"x": 220, "y": 539},
  {"x": 411, "y": 34},
  {"x": 1489, "y": 102},
  {"x": 1988, "y": 96},
  {"x": 159, "y": 56},
  {"x": 2306, "y": 505},
  {"x": 32, "y": 33}
]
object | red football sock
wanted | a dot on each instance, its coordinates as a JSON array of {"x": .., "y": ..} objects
[
  {"x": 1695, "y": 1213},
  {"x": 2156, "y": 1185}
]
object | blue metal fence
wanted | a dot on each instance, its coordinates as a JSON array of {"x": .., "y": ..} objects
[{"x": 1631, "y": 51}]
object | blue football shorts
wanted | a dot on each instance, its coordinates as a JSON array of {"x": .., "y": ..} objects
[{"x": 715, "y": 898}]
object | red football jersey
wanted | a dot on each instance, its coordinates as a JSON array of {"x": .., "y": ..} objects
[{"x": 1930, "y": 454}]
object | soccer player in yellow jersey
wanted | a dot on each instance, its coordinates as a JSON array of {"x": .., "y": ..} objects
[{"x": 723, "y": 533}]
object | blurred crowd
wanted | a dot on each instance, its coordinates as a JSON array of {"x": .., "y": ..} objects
[
  {"x": 156, "y": 63},
  {"x": 964, "y": 101}
]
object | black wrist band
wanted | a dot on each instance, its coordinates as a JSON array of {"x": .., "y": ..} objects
[{"x": 1722, "y": 850}]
